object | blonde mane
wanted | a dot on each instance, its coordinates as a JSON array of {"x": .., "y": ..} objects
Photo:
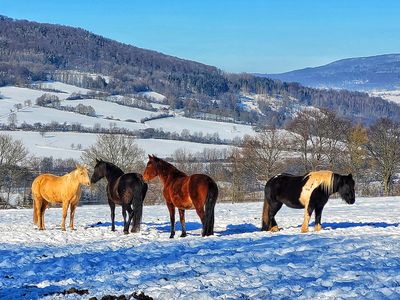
[{"x": 323, "y": 179}]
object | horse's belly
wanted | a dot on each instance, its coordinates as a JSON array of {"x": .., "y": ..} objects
[
  {"x": 292, "y": 203},
  {"x": 183, "y": 203}
]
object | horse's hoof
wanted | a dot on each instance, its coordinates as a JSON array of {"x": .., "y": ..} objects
[
  {"x": 171, "y": 236},
  {"x": 112, "y": 229},
  {"x": 126, "y": 232},
  {"x": 317, "y": 227},
  {"x": 183, "y": 234},
  {"x": 304, "y": 230},
  {"x": 275, "y": 229}
]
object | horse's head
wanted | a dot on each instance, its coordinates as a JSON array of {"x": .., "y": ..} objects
[
  {"x": 151, "y": 170},
  {"x": 82, "y": 175},
  {"x": 99, "y": 171},
  {"x": 346, "y": 188}
]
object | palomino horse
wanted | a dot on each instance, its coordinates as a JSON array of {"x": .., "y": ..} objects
[
  {"x": 310, "y": 192},
  {"x": 48, "y": 188},
  {"x": 127, "y": 190},
  {"x": 197, "y": 191}
]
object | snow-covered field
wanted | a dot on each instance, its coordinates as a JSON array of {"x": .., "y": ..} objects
[
  {"x": 59, "y": 144},
  {"x": 356, "y": 257},
  {"x": 109, "y": 114},
  {"x": 393, "y": 95}
]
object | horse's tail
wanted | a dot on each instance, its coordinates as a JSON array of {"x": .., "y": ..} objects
[
  {"x": 212, "y": 195},
  {"x": 265, "y": 215},
  {"x": 140, "y": 193}
]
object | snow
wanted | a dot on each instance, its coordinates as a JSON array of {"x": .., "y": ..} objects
[
  {"x": 12, "y": 95},
  {"x": 60, "y": 86},
  {"x": 153, "y": 96},
  {"x": 105, "y": 109},
  {"x": 391, "y": 95},
  {"x": 58, "y": 144},
  {"x": 224, "y": 130},
  {"x": 355, "y": 257}
]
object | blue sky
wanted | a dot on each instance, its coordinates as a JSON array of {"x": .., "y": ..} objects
[{"x": 267, "y": 36}]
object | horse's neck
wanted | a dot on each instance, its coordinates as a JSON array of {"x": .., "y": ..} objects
[
  {"x": 336, "y": 182},
  {"x": 73, "y": 181},
  {"x": 113, "y": 172},
  {"x": 169, "y": 172}
]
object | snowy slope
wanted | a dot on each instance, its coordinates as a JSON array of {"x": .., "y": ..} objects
[
  {"x": 112, "y": 110},
  {"x": 224, "y": 130},
  {"x": 58, "y": 144},
  {"x": 17, "y": 95},
  {"x": 393, "y": 95},
  {"x": 356, "y": 256}
]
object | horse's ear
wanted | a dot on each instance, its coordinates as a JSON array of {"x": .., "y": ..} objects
[
  {"x": 150, "y": 156},
  {"x": 97, "y": 160},
  {"x": 78, "y": 166},
  {"x": 350, "y": 176}
]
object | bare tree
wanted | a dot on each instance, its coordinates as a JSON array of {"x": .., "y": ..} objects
[
  {"x": 357, "y": 139},
  {"x": 12, "y": 156},
  {"x": 12, "y": 152},
  {"x": 319, "y": 135},
  {"x": 263, "y": 153},
  {"x": 384, "y": 148},
  {"x": 118, "y": 149},
  {"x": 12, "y": 120},
  {"x": 121, "y": 150}
]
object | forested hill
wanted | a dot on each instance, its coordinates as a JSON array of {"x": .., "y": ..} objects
[{"x": 31, "y": 51}]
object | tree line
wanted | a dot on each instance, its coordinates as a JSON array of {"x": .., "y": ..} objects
[{"x": 314, "y": 140}]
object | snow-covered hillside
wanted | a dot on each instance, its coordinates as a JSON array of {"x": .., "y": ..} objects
[
  {"x": 66, "y": 144},
  {"x": 108, "y": 114},
  {"x": 393, "y": 95},
  {"x": 356, "y": 256}
]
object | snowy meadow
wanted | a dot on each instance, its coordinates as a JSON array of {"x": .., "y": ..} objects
[{"x": 355, "y": 256}]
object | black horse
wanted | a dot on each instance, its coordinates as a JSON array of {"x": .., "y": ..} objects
[
  {"x": 310, "y": 192},
  {"x": 127, "y": 190}
]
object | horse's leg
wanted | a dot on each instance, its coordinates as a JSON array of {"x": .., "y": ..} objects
[
  {"x": 273, "y": 210},
  {"x": 42, "y": 210},
  {"x": 171, "y": 209},
  {"x": 318, "y": 214},
  {"x": 112, "y": 208},
  {"x": 72, "y": 215},
  {"x": 124, "y": 215},
  {"x": 307, "y": 215},
  {"x": 129, "y": 209},
  {"x": 183, "y": 224},
  {"x": 37, "y": 211},
  {"x": 64, "y": 214}
]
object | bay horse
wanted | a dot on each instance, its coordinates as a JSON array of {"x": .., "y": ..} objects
[
  {"x": 125, "y": 189},
  {"x": 310, "y": 192},
  {"x": 198, "y": 191},
  {"x": 48, "y": 188}
]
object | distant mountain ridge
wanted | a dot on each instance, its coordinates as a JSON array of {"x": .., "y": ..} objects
[{"x": 361, "y": 74}]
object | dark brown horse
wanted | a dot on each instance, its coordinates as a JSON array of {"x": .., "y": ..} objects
[
  {"x": 196, "y": 191},
  {"x": 125, "y": 189}
]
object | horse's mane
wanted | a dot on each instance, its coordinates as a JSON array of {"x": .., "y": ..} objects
[
  {"x": 113, "y": 168},
  {"x": 323, "y": 179},
  {"x": 165, "y": 166}
]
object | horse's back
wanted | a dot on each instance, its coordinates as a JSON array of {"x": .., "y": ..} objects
[
  {"x": 130, "y": 185},
  {"x": 43, "y": 179}
]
